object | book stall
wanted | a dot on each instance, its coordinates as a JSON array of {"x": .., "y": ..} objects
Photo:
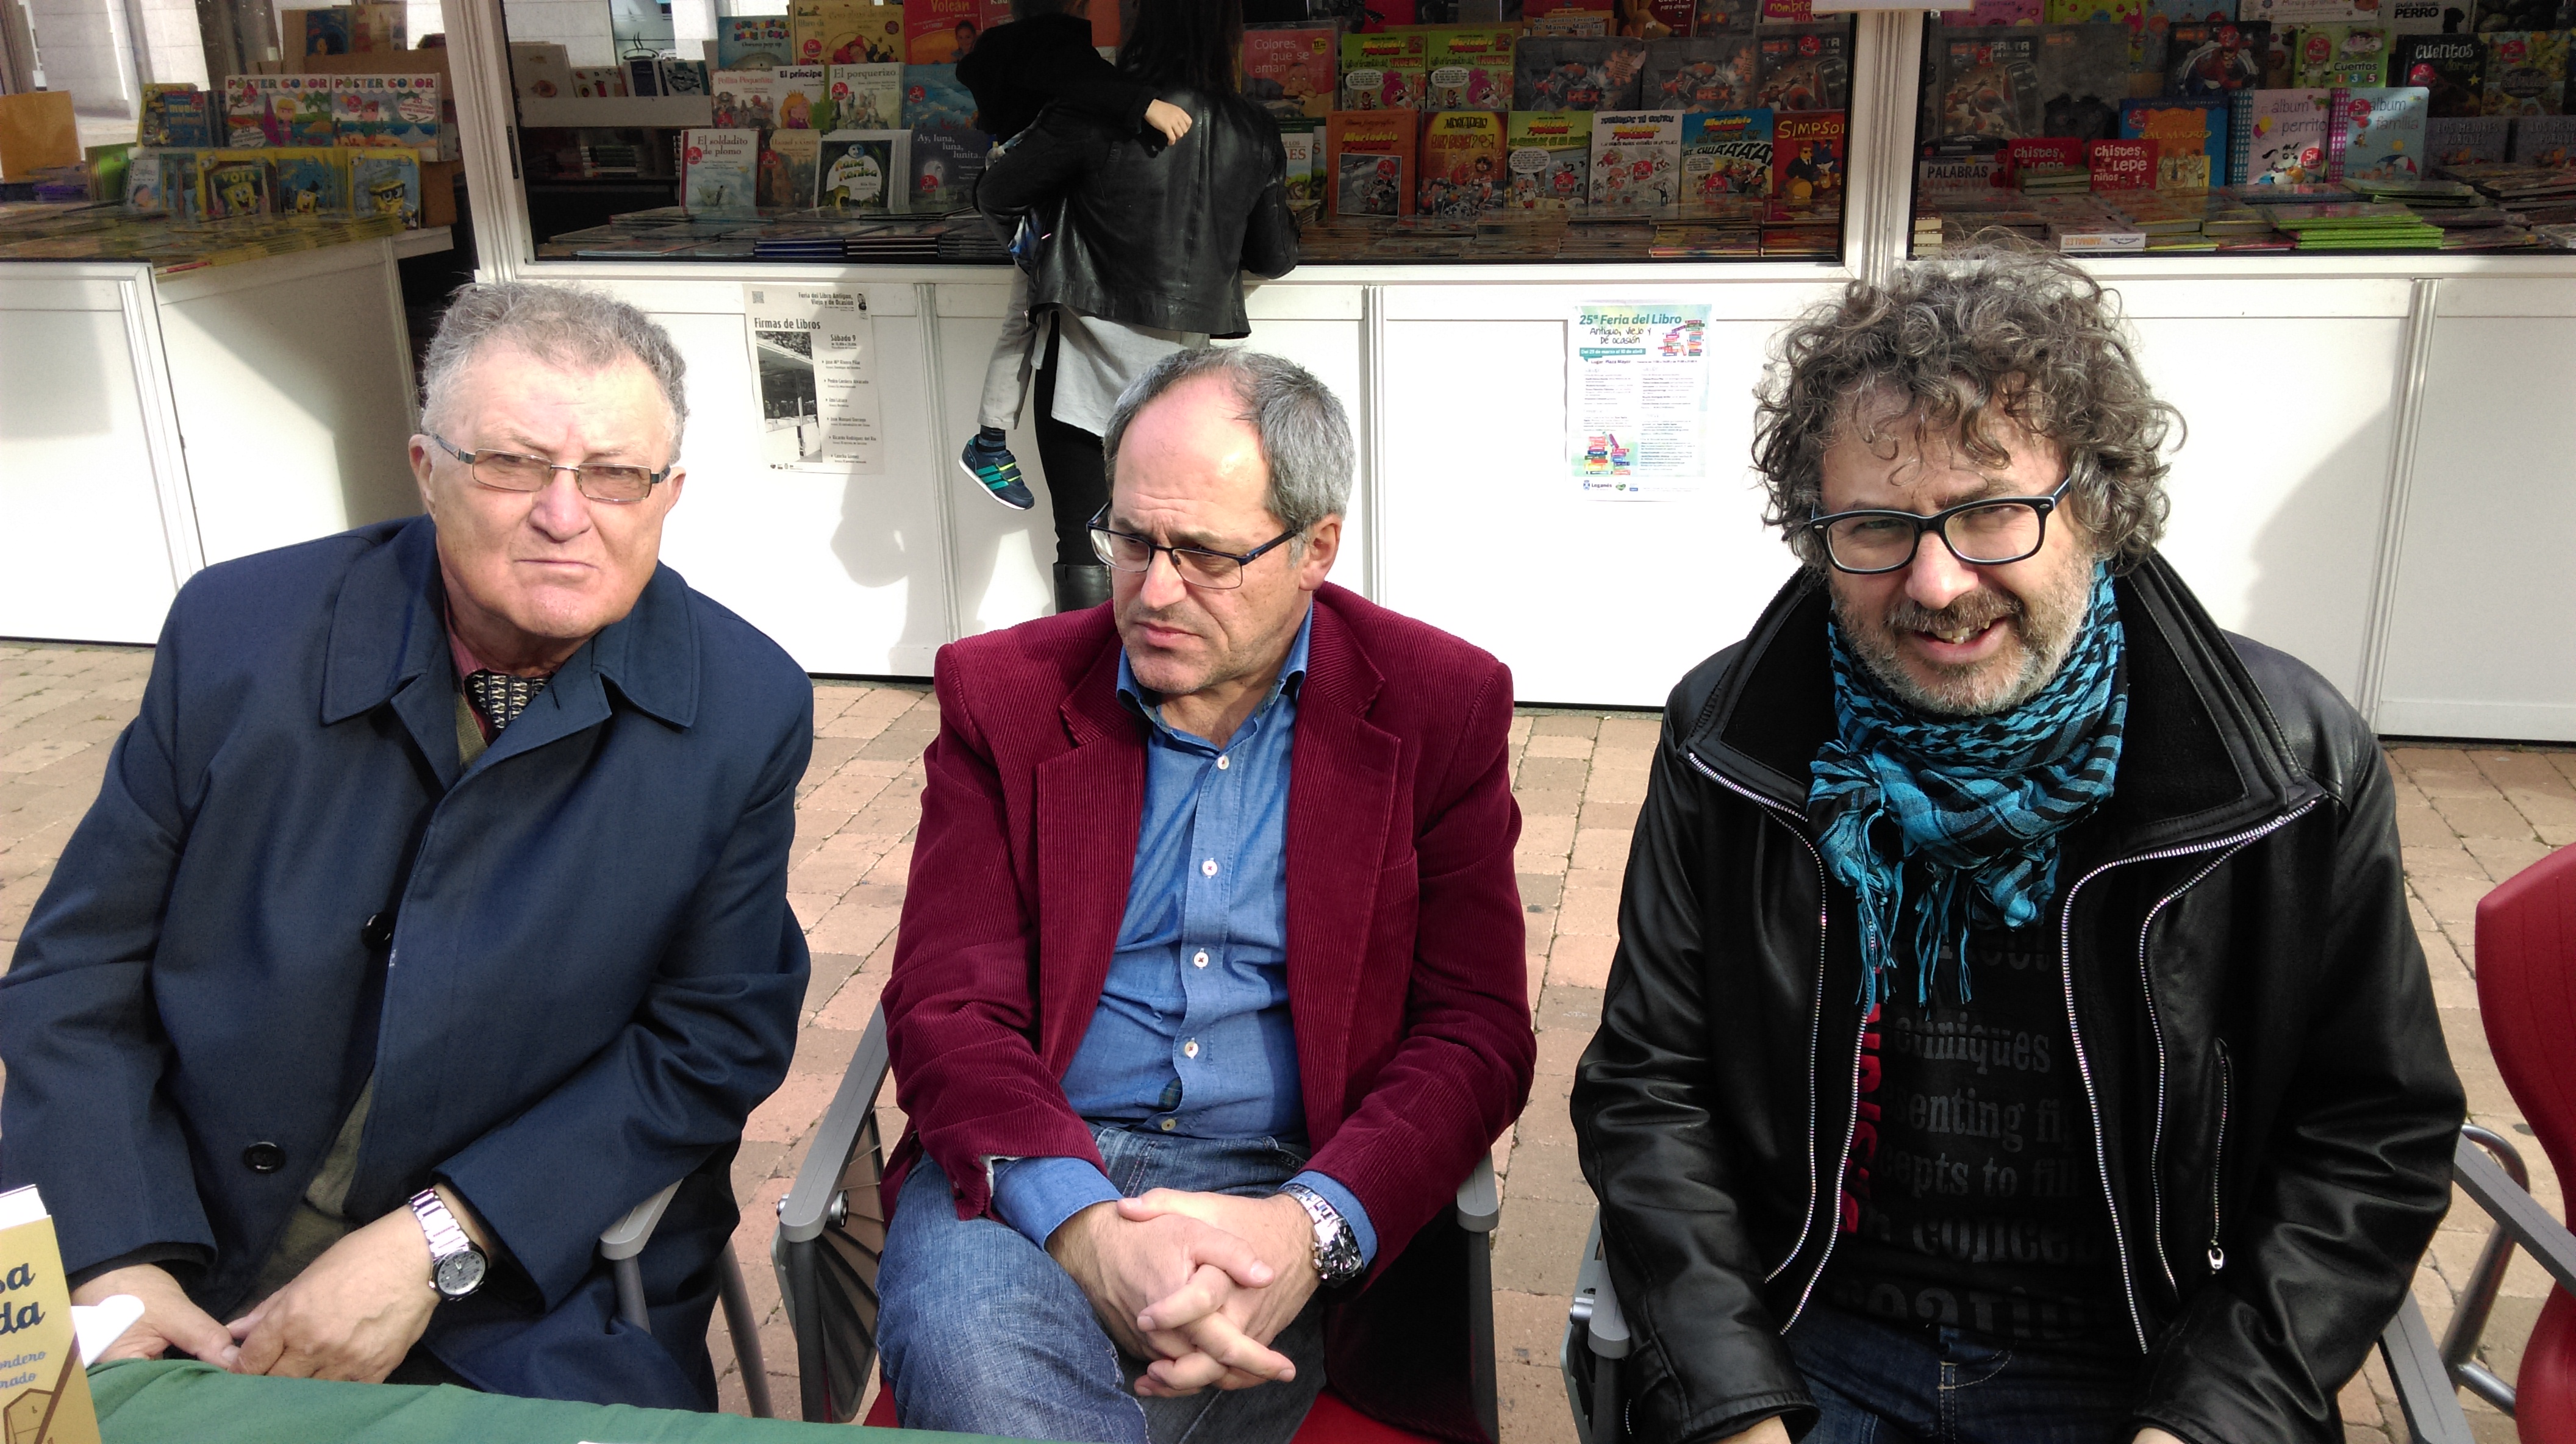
[{"x": 202, "y": 326}]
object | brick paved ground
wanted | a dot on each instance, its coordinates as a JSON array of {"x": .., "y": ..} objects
[{"x": 2469, "y": 818}]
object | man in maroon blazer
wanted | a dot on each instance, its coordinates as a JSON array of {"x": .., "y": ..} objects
[{"x": 1210, "y": 984}]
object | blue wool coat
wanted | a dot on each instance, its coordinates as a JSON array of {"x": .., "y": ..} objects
[{"x": 589, "y": 978}]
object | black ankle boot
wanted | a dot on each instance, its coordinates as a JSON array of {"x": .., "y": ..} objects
[{"x": 1077, "y": 587}]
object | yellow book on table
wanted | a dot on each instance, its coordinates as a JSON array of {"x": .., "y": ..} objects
[
  {"x": 44, "y": 1396},
  {"x": 37, "y": 130}
]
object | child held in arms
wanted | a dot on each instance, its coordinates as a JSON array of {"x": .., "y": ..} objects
[{"x": 1044, "y": 55}]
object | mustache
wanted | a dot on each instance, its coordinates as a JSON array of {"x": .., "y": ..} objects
[{"x": 1973, "y": 612}]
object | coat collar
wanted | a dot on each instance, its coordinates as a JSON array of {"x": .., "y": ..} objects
[
  {"x": 389, "y": 643},
  {"x": 1336, "y": 674}
]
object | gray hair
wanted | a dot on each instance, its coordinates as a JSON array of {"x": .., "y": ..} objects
[
  {"x": 564, "y": 326},
  {"x": 1305, "y": 435}
]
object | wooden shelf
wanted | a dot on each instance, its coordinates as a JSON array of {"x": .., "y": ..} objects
[{"x": 666, "y": 111}]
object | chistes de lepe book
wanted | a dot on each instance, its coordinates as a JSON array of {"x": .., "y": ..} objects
[{"x": 44, "y": 1396}]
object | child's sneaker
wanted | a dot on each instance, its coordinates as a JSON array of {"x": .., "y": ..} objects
[{"x": 997, "y": 471}]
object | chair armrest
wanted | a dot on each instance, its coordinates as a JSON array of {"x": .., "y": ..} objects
[
  {"x": 1596, "y": 1300},
  {"x": 1480, "y": 1203},
  {"x": 808, "y": 1204},
  {"x": 626, "y": 1237},
  {"x": 2424, "y": 1391},
  {"x": 2516, "y": 1212}
]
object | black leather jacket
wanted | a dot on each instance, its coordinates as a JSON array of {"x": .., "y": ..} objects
[
  {"x": 2253, "y": 1026},
  {"x": 1145, "y": 233}
]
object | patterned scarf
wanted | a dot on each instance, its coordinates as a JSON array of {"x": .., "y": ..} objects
[{"x": 1974, "y": 804}]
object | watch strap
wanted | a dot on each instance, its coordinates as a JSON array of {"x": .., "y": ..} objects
[
  {"x": 1337, "y": 1245},
  {"x": 447, "y": 1237}
]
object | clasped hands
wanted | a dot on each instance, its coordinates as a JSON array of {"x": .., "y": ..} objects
[{"x": 1198, "y": 1283}]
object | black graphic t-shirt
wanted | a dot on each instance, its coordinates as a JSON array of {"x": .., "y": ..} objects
[{"x": 1973, "y": 1198}]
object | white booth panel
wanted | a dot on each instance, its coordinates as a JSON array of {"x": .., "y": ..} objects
[
  {"x": 2480, "y": 643},
  {"x": 1335, "y": 350},
  {"x": 1004, "y": 560}
]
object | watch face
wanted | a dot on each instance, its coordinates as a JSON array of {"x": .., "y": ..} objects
[{"x": 459, "y": 1273}]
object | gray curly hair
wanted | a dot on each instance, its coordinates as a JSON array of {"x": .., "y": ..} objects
[
  {"x": 1949, "y": 344},
  {"x": 558, "y": 324}
]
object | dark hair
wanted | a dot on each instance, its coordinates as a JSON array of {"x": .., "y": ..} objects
[
  {"x": 1032, "y": 9},
  {"x": 1185, "y": 43}
]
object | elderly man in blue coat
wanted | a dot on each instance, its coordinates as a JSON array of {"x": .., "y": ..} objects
[{"x": 432, "y": 913}]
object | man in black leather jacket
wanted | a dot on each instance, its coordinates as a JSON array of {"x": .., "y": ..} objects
[{"x": 2017, "y": 1032}]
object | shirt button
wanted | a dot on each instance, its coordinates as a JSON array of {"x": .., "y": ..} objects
[
  {"x": 1199, "y": 958},
  {"x": 1208, "y": 868},
  {"x": 264, "y": 1158},
  {"x": 1168, "y": 1125},
  {"x": 1221, "y": 763},
  {"x": 1190, "y": 1049}
]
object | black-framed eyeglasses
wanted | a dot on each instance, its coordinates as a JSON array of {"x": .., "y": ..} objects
[
  {"x": 1198, "y": 566},
  {"x": 1986, "y": 533},
  {"x": 510, "y": 471}
]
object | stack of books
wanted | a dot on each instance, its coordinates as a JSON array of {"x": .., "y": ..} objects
[{"x": 2357, "y": 226}]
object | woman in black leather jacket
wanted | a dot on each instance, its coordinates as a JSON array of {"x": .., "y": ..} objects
[{"x": 1140, "y": 246}]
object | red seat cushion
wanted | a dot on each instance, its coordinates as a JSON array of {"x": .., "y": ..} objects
[{"x": 1330, "y": 1422}]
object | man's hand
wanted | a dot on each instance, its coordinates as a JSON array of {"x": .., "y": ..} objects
[
  {"x": 1168, "y": 118},
  {"x": 1210, "y": 1310},
  {"x": 1124, "y": 1265},
  {"x": 169, "y": 1320},
  {"x": 352, "y": 1314},
  {"x": 2155, "y": 1436}
]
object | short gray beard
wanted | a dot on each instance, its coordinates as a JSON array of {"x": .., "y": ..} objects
[{"x": 2047, "y": 629}]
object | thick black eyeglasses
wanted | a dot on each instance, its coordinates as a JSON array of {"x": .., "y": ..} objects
[
  {"x": 509, "y": 471},
  {"x": 1983, "y": 533},
  {"x": 1198, "y": 566}
]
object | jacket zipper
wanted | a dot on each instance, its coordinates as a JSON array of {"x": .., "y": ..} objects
[
  {"x": 1815, "y": 1032},
  {"x": 2218, "y": 1155},
  {"x": 2075, "y": 1027}
]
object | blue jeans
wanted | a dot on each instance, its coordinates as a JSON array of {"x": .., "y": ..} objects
[
  {"x": 983, "y": 1333},
  {"x": 1881, "y": 1383}
]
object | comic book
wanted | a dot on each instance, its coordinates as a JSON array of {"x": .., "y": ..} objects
[
  {"x": 1369, "y": 162},
  {"x": 1989, "y": 86},
  {"x": 932, "y": 97},
  {"x": 2191, "y": 137},
  {"x": 2466, "y": 139},
  {"x": 326, "y": 30},
  {"x": 741, "y": 99},
  {"x": 939, "y": 32},
  {"x": 1469, "y": 68},
  {"x": 2083, "y": 76},
  {"x": 1655, "y": 19},
  {"x": 307, "y": 181},
  {"x": 1725, "y": 17},
  {"x": 1549, "y": 153},
  {"x": 947, "y": 160},
  {"x": 754, "y": 42},
  {"x": 1985, "y": 13},
  {"x": 800, "y": 98},
  {"x": 1289, "y": 69},
  {"x": 1702, "y": 73},
  {"x": 867, "y": 172},
  {"x": 1806, "y": 68},
  {"x": 2277, "y": 137},
  {"x": 1387, "y": 50},
  {"x": 1462, "y": 163},
  {"x": 2548, "y": 140},
  {"x": 1636, "y": 158},
  {"x": 1383, "y": 88},
  {"x": 143, "y": 182},
  {"x": 2122, "y": 165},
  {"x": 1726, "y": 154},
  {"x": 301, "y": 106},
  {"x": 2206, "y": 58},
  {"x": 2526, "y": 72},
  {"x": 717, "y": 169},
  {"x": 2130, "y": 14},
  {"x": 2452, "y": 68},
  {"x": 248, "y": 123},
  {"x": 1807, "y": 163},
  {"x": 183, "y": 183},
  {"x": 385, "y": 183},
  {"x": 865, "y": 97},
  {"x": 236, "y": 184},
  {"x": 175, "y": 116},
  {"x": 1577, "y": 73},
  {"x": 788, "y": 165},
  {"x": 2330, "y": 55}
]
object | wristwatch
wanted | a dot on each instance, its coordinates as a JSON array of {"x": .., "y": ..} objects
[
  {"x": 456, "y": 1266},
  {"x": 1337, "y": 1248}
]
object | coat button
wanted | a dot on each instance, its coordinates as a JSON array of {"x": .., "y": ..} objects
[
  {"x": 264, "y": 1158},
  {"x": 378, "y": 930}
]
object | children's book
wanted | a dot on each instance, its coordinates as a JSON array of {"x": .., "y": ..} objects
[
  {"x": 2416, "y": 17},
  {"x": 1787, "y": 12},
  {"x": 717, "y": 169},
  {"x": 301, "y": 105},
  {"x": 940, "y": 32},
  {"x": 2277, "y": 137},
  {"x": 788, "y": 167},
  {"x": 385, "y": 183},
  {"x": 2451, "y": 67},
  {"x": 845, "y": 32},
  {"x": 2348, "y": 55},
  {"x": 1300, "y": 146},
  {"x": 1550, "y": 158},
  {"x": 248, "y": 125},
  {"x": 679, "y": 77},
  {"x": 799, "y": 98},
  {"x": 1369, "y": 87},
  {"x": 2280, "y": 13},
  {"x": 47, "y": 1399},
  {"x": 742, "y": 99},
  {"x": 2526, "y": 72},
  {"x": 365, "y": 111},
  {"x": 2122, "y": 165},
  {"x": 1806, "y": 68},
  {"x": 1726, "y": 154},
  {"x": 2378, "y": 133},
  {"x": 865, "y": 97},
  {"x": 1462, "y": 163},
  {"x": 1369, "y": 162},
  {"x": 867, "y": 172},
  {"x": 1577, "y": 73},
  {"x": 2214, "y": 59},
  {"x": 143, "y": 182},
  {"x": 1655, "y": 19},
  {"x": 1702, "y": 73},
  {"x": 2466, "y": 139},
  {"x": 1289, "y": 69},
  {"x": 1725, "y": 17},
  {"x": 2190, "y": 136},
  {"x": 1989, "y": 86},
  {"x": 175, "y": 115},
  {"x": 1807, "y": 165},
  {"x": 183, "y": 183},
  {"x": 1997, "y": 12},
  {"x": 1636, "y": 158},
  {"x": 2130, "y": 14},
  {"x": 754, "y": 42},
  {"x": 2042, "y": 155},
  {"x": 599, "y": 82},
  {"x": 2548, "y": 140},
  {"x": 2083, "y": 76},
  {"x": 237, "y": 184},
  {"x": 326, "y": 30},
  {"x": 947, "y": 160},
  {"x": 309, "y": 182},
  {"x": 932, "y": 97}
]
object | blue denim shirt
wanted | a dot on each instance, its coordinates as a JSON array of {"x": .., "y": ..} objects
[{"x": 1192, "y": 1034}]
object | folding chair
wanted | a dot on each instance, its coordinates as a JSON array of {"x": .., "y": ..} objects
[
  {"x": 832, "y": 1230},
  {"x": 623, "y": 1244}
]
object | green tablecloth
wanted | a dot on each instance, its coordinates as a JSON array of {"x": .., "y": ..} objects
[{"x": 180, "y": 1401}]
